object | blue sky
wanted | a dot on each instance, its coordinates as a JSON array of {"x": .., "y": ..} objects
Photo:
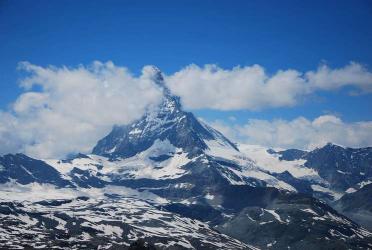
[{"x": 277, "y": 35}]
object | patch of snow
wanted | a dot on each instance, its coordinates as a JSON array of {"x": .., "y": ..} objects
[
  {"x": 109, "y": 230},
  {"x": 209, "y": 196},
  {"x": 141, "y": 166},
  {"x": 183, "y": 185},
  {"x": 270, "y": 180},
  {"x": 27, "y": 219},
  {"x": 271, "y": 162},
  {"x": 271, "y": 244},
  {"x": 266, "y": 222},
  {"x": 112, "y": 150},
  {"x": 364, "y": 183},
  {"x": 135, "y": 167},
  {"x": 12, "y": 191},
  {"x": 249, "y": 169},
  {"x": 334, "y": 194},
  {"x": 222, "y": 149},
  {"x": 308, "y": 210},
  {"x": 65, "y": 167},
  {"x": 135, "y": 131},
  {"x": 275, "y": 214},
  {"x": 350, "y": 190}
]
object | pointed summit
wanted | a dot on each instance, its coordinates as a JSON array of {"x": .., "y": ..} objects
[
  {"x": 170, "y": 103},
  {"x": 154, "y": 73}
]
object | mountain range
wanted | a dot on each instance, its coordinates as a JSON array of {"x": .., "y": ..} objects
[{"x": 170, "y": 181}]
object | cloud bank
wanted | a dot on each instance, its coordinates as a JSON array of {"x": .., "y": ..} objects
[
  {"x": 65, "y": 110},
  {"x": 300, "y": 133},
  {"x": 74, "y": 107},
  {"x": 253, "y": 89}
]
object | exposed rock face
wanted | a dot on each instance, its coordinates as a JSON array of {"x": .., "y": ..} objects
[
  {"x": 341, "y": 167},
  {"x": 358, "y": 205},
  {"x": 25, "y": 170}
]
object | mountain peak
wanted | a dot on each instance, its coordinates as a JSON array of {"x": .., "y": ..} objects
[
  {"x": 166, "y": 122},
  {"x": 151, "y": 70},
  {"x": 331, "y": 145},
  {"x": 154, "y": 73}
]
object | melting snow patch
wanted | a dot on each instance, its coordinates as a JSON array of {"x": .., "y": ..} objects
[
  {"x": 271, "y": 162},
  {"x": 277, "y": 217},
  {"x": 335, "y": 195},
  {"x": 209, "y": 196},
  {"x": 350, "y": 190},
  {"x": 308, "y": 210}
]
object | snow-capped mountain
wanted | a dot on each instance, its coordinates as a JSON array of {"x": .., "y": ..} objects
[
  {"x": 165, "y": 122},
  {"x": 177, "y": 183},
  {"x": 27, "y": 170},
  {"x": 327, "y": 172}
]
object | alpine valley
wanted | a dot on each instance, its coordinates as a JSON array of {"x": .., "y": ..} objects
[{"x": 169, "y": 181}]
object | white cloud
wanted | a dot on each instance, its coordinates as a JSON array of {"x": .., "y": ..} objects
[
  {"x": 65, "y": 110},
  {"x": 353, "y": 74},
  {"x": 300, "y": 132},
  {"x": 239, "y": 88},
  {"x": 252, "y": 88},
  {"x": 75, "y": 107}
]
